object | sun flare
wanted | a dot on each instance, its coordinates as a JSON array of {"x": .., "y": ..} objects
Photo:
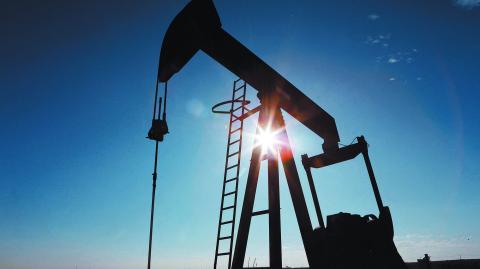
[{"x": 267, "y": 139}]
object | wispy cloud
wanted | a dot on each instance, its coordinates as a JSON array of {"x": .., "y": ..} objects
[
  {"x": 388, "y": 52},
  {"x": 392, "y": 60},
  {"x": 378, "y": 40},
  {"x": 405, "y": 56},
  {"x": 469, "y": 4},
  {"x": 373, "y": 17}
]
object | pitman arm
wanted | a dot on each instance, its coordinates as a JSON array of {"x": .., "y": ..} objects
[{"x": 198, "y": 27}]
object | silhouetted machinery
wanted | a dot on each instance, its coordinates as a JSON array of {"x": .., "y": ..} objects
[{"x": 347, "y": 241}]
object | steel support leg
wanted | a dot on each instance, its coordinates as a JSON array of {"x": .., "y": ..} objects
[
  {"x": 275, "y": 235},
  {"x": 371, "y": 175},
  {"x": 247, "y": 208},
  {"x": 296, "y": 192},
  {"x": 308, "y": 171}
]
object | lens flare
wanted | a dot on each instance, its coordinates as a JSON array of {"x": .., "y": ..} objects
[{"x": 267, "y": 139}]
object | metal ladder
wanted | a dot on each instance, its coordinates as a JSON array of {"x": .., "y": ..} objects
[{"x": 226, "y": 221}]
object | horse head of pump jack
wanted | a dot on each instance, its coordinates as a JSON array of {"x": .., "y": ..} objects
[{"x": 198, "y": 27}]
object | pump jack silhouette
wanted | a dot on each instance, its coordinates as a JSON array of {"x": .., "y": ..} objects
[{"x": 347, "y": 241}]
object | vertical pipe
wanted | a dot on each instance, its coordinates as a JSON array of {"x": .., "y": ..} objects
[
  {"x": 155, "y": 101},
  {"x": 153, "y": 205},
  {"x": 164, "y": 103},
  {"x": 154, "y": 184}
]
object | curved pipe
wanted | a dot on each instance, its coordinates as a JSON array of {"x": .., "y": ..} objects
[{"x": 215, "y": 107}]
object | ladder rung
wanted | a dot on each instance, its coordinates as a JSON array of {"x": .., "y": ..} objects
[
  {"x": 230, "y": 180},
  {"x": 233, "y": 166},
  {"x": 239, "y": 88},
  {"x": 223, "y": 253},
  {"x": 236, "y": 141},
  {"x": 237, "y": 108},
  {"x": 228, "y": 207},
  {"x": 236, "y": 130},
  {"x": 226, "y": 222},
  {"x": 229, "y": 193},
  {"x": 224, "y": 237},
  {"x": 235, "y": 153},
  {"x": 261, "y": 212}
]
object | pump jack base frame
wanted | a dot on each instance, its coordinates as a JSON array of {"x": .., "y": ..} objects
[
  {"x": 272, "y": 117},
  {"x": 351, "y": 241}
]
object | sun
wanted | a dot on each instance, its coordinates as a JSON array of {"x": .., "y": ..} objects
[{"x": 267, "y": 139}]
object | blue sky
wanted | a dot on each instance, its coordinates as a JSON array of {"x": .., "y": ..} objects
[{"x": 76, "y": 89}]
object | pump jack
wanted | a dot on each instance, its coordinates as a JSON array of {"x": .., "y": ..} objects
[{"x": 198, "y": 27}]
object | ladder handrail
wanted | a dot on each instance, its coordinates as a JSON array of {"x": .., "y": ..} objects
[{"x": 230, "y": 166}]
